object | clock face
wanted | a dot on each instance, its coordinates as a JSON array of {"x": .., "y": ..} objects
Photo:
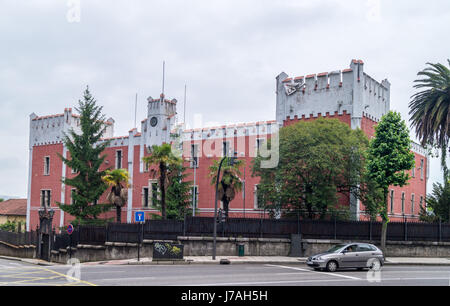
[{"x": 153, "y": 121}]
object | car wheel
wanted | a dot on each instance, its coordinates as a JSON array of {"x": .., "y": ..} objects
[{"x": 332, "y": 266}]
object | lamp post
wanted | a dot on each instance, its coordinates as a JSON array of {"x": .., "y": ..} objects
[
  {"x": 194, "y": 192},
  {"x": 231, "y": 162},
  {"x": 243, "y": 194}
]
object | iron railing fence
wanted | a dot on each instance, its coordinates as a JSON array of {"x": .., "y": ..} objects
[
  {"x": 163, "y": 229},
  {"x": 19, "y": 239},
  {"x": 91, "y": 234},
  {"x": 62, "y": 241},
  {"x": 123, "y": 232},
  {"x": 237, "y": 227}
]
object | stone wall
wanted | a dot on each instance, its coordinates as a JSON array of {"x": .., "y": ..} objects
[
  {"x": 22, "y": 251},
  {"x": 203, "y": 246},
  {"x": 393, "y": 248},
  {"x": 193, "y": 246}
]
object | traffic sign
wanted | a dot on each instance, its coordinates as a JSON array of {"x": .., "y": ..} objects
[
  {"x": 139, "y": 216},
  {"x": 70, "y": 229}
]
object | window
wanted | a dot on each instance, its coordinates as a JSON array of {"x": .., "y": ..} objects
[
  {"x": 257, "y": 199},
  {"x": 421, "y": 168},
  {"x": 413, "y": 172},
  {"x": 145, "y": 197},
  {"x": 47, "y": 165},
  {"x": 46, "y": 198},
  {"x": 194, "y": 156},
  {"x": 259, "y": 143},
  {"x": 119, "y": 159},
  {"x": 392, "y": 201},
  {"x": 146, "y": 166},
  {"x": 72, "y": 192},
  {"x": 412, "y": 204},
  {"x": 364, "y": 248},
  {"x": 421, "y": 201},
  {"x": 154, "y": 194},
  {"x": 403, "y": 202},
  {"x": 194, "y": 189},
  {"x": 226, "y": 149}
]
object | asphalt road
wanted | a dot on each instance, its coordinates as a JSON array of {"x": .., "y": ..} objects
[{"x": 14, "y": 273}]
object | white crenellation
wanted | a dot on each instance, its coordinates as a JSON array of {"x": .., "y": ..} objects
[
  {"x": 49, "y": 130},
  {"x": 351, "y": 91},
  {"x": 417, "y": 148},
  {"x": 263, "y": 128}
]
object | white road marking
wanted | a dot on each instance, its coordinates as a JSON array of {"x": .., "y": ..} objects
[
  {"x": 311, "y": 271},
  {"x": 309, "y": 281},
  {"x": 126, "y": 279},
  {"x": 265, "y": 283}
]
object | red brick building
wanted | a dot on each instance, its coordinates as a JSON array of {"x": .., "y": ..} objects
[{"x": 349, "y": 95}]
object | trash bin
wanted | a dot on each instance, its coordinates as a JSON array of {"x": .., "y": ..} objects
[{"x": 241, "y": 250}]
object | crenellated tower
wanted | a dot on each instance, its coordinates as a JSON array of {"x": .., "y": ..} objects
[
  {"x": 350, "y": 95},
  {"x": 160, "y": 120}
]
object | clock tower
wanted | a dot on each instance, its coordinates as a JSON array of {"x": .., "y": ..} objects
[{"x": 160, "y": 120}]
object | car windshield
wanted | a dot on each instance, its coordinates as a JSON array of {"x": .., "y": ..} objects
[{"x": 336, "y": 248}]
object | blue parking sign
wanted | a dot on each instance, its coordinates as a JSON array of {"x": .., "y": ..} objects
[{"x": 139, "y": 216}]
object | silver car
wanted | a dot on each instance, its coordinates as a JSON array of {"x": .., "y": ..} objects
[{"x": 351, "y": 255}]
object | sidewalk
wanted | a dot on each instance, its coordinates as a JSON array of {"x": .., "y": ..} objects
[
  {"x": 237, "y": 260},
  {"x": 33, "y": 261}
]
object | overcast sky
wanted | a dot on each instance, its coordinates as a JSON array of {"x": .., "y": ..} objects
[{"x": 227, "y": 52}]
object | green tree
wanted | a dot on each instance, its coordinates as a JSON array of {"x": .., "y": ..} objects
[
  {"x": 319, "y": 162},
  {"x": 430, "y": 110},
  {"x": 1, "y": 200},
  {"x": 389, "y": 158},
  {"x": 118, "y": 195},
  {"x": 179, "y": 196},
  {"x": 438, "y": 204},
  {"x": 229, "y": 183},
  {"x": 372, "y": 195},
  {"x": 9, "y": 226},
  {"x": 85, "y": 150},
  {"x": 163, "y": 157}
]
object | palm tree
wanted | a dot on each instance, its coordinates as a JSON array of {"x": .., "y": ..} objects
[
  {"x": 430, "y": 109},
  {"x": 165, "y": 159},
  {"x": 438, "y": 204},
  {"x": 118, "y": 196},
  {"x": 230, "y": 183}
]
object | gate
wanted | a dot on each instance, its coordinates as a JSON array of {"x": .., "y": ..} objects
[{"x": 45, "y": 234}]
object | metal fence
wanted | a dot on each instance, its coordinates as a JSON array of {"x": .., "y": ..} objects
[
  {"x": 27, "y": 238},
  {"x": 238, "y": 227}
]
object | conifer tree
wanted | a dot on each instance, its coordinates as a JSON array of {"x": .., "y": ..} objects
[
  {"x": 179, "y": 196},
  {"x": 85, "y": 159}
]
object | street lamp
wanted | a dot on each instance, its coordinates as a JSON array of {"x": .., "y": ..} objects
[
  {"x": 231, "y": 162},
  {"x": 194, "y": 191}
]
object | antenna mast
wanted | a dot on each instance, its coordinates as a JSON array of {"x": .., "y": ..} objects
[
  {"x": 164, "y": 72},
  {"x": 135, "y": 111},
  {"x": 184, "y": 107}
]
